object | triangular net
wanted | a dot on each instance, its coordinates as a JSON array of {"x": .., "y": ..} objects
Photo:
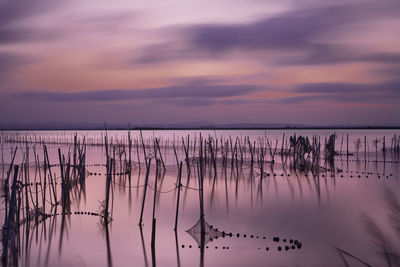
[{"x": 210, "y": 233}]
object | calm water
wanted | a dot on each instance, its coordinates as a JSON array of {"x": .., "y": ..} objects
[{"x": 343, "y": 216}]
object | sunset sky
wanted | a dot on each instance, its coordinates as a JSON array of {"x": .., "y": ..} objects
[{"x": 221, "y": 61}]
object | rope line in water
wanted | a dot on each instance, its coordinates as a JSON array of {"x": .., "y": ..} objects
[
  {"x": 127, "y": 186},
  {"x": 188, "y": 187},
  {"x": 168, "y": 191}
]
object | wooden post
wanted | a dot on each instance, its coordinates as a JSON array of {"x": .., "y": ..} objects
[
  {"x": 176, "y": 156},
  {"x": 153, "y": 228},
  {"x": 50, "y": 174},
  {"x": 179, "y": 194},
  {"x": 108, "y": 185},
  {"x": 137, "y": 153},
  {"x": 365, "y": 147},
  {"x": 130, "y": 156},
  {"x": 11, "y": 215},
  {"x": 145, "y": 190},
  {"x": 201, "y": 177},
  {"x": 63, "y": 197}
]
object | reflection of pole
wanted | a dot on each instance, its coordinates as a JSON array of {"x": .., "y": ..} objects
[
  {"x": 179, "y": 194},
  {"x": 153, "y": 256},
  {"x": 144, "y": 247},
  {"x": 202, "y": 244},
  {"x": 178, "y": 258},
  {"x": 109, "y": 258}
]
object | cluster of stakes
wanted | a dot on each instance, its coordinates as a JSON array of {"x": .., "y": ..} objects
[{"x": 62, "y": 181}]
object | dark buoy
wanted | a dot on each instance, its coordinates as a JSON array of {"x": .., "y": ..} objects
[
  {"x": 275, "y": 239},
  {"x": 279, "y": 248}
]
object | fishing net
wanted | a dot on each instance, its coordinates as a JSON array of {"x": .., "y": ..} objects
[{"x": 210, "y": 233}]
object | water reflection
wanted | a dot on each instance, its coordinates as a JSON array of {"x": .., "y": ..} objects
[
  {"x": 109, "y": 256},
  {"x": 388, "y": 250},
  {"x": 236, "y": 189}
]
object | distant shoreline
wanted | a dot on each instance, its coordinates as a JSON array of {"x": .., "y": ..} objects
[{"x": 200, "y": 128}]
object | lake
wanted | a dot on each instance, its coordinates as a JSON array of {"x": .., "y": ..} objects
[{"x": 264, "y": 201}]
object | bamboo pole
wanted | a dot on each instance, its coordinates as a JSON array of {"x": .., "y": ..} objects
[
  {"x": 153, "y": 227},
  {"x": 108, "y": 185},
  {"x": 145, "y": 190},
  {"x": 178, "y": 198}
]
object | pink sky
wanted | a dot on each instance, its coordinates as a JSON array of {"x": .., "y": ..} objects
[{"x": 306, "y": 62}]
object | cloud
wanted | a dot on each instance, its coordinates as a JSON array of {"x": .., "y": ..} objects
[
  {"x": 293, "y": 31},
  {"x": 12, "y": 13},
  {"x": 200, "y": 94},
  {"x": 10, "y": 61},
  {"x": 356, "y": 93},
  {"x": 296, "y": 29},
  {"x": 334, "y": 54}
]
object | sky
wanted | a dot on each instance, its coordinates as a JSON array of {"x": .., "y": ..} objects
[{"x": 219, "y": 61}]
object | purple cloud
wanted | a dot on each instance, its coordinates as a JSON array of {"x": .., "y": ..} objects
[
  {"x": 378, "y": 93},
  {"x": 13, "y": 12},
  {"x": 183, "y": 92},
  {"x": 296, "y": 31}
]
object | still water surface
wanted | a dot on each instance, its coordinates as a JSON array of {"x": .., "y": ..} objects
[{"x": 343, "y": 216}]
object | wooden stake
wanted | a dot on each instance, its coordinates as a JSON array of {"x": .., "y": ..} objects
[{"x": 179, "y": 194}]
